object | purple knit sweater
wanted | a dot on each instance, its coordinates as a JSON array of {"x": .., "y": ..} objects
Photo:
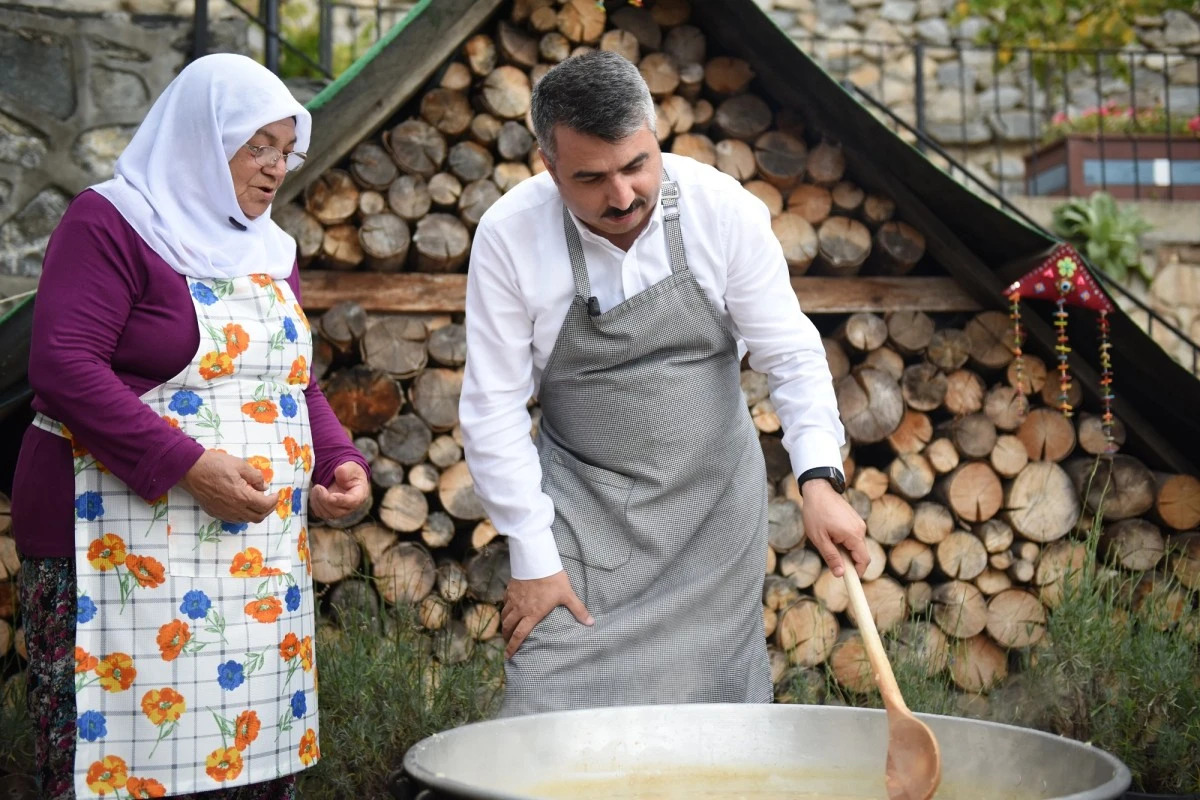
[{"x": 112, "y": 321}]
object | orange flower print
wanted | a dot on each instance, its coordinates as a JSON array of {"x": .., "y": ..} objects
[
  {"x": 174, "y": 423},
  {"x": 309, "y": 752},
  {"x": 303, "y": 317},
  {"x": 247, "y": 564},
  {"x": 215, "y": 364},
  {"x": 263, "y": 411},
  {"x": 149, "y": 571},
  {"x": 289, "y": 648},
  {"x": 83, "y": 661},
  {"x": 278, "y": 293},
  {"x": 299, "y": 374},
  {"x": 145, "y": 787},
  {"x": 261, "y": 279},
  {"x": 116, "y": 672},
  {"x": 106, "y": 776},
  {"x": 263, "y": 465},
  {"x": 236, "y": 340},
  {"x": 171, "y": 639},
  {"x": 246, "y": 729},
  {"x": 107, "y": 552},
  {"x": 293, "y": 449},
  {"x": 224, "y": 764},
  {"x": 163, "y": 705},
  {"x": 283, "y": 507},
  {"x": 306, "y": 654},
  {"x": 306, "y": 455},
  {"x": 265, "y": 609},
  {"x": 302, "y": 550}
]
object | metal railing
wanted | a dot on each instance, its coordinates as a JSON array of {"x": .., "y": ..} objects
[
  {"x": 986, "y": 101},
  {"x": 360, "y": 20},
  {"x": 1153, "y": 318}
]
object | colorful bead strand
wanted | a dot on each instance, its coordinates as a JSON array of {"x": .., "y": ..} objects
[
  {"x": 1106, "y": 395},
  {"x": 1062, "y": 348},
  {"x": 1014, "y": 300}
]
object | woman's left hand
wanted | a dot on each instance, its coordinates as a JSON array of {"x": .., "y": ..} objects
[{"x": 349, "y": 491}]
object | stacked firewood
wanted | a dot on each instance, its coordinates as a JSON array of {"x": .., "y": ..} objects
[
  {"x": 10, "y": 563},
  {"x": 410, "y": 196},
  {"x": 977, "y": 498}
]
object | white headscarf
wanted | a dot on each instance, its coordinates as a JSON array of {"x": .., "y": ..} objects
[{"x": 172, "y": 183}]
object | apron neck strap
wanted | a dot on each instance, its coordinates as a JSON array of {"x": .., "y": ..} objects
[{"x": 669, "y": 197}]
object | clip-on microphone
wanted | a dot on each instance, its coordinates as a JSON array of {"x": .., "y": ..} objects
[{"x": 593, "y": 307}]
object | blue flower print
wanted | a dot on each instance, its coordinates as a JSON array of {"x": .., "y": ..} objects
[
  {"x": 289, "y": 329},
  {"x": 230, "y": 675},
  {"x": 185, "y": 402},
  {"x": 85, "y": 609},
  {"x": 299, "y": 706},
  {"x": 195, "y": 604},
  {"x": 292, "y": 598},
  {"x": 89, "y": 505},
  {"x": 204, "y": 295},
  {"x": 92, "y": 726},
  {"x": 235, "y": 527},
  {"x": 297, "y": 502},
  {"x": 287, "y": 404}
]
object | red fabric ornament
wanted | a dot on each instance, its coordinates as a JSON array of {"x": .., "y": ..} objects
[{"x": 1064, "y": 278}]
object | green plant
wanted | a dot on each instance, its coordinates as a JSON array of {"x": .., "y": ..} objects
[
  {"x": 16, "y": 729},
  {"x": 301, "y": 28},
  {"x": 1064, "y": 34},
  {"x": 1129, "y": 683},
  {"x": 1107, "y": 234},
  {"x": 382, "y": 689}
]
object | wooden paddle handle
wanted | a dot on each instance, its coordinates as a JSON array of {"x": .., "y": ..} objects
[{"x": 880, "y": 666}]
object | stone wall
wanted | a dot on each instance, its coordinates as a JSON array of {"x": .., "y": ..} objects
[
  {"x": 986, "y": 116},
  {"x": 73, "y": 88}
]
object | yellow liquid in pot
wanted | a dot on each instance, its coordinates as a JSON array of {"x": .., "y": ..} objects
[{"x": 740, "y": 784}]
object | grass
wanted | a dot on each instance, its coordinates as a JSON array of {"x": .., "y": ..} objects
[
  {"x": 1126, "y": 681},
  {"x": 16, "y": 728},
  {"x": 381, "y": 691}
]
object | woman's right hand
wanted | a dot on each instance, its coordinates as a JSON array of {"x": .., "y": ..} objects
[{"x": 228, "y": 488}]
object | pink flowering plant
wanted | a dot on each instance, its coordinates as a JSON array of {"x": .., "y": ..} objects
[{"x": 1118, "y": 120}]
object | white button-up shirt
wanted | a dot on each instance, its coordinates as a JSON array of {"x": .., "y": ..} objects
[{"x": 519, "y": 287}]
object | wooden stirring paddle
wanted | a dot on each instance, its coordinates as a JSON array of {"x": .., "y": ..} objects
[{"x": 914, "y": 763}]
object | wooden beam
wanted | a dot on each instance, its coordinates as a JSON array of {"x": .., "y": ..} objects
[
  {"x": 400, "y": 293},
  {"x": 418, "y": 293},
  {"x": 931, "y": 294},
  {"x": 398, "y": 66}
]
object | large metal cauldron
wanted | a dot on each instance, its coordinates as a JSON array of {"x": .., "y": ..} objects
[{"x": 743, "y": 752}]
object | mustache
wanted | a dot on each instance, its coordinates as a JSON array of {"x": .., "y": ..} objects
[{"x": 617, "y": 212}]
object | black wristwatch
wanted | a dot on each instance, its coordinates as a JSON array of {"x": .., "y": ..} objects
[{"x": 835, "y": 477}]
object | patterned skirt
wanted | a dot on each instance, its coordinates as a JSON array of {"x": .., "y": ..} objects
[{"x": 49, "y": 607}]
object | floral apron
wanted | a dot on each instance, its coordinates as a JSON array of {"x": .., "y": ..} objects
[{"x": 194, "y": 664}]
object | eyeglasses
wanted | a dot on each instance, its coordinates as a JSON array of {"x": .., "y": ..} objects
[{"x": 267, "y": 156}]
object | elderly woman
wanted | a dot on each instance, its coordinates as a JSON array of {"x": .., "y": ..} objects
[{"x": 161, "y": 495}]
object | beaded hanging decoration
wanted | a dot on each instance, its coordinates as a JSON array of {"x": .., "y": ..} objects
[{"x": 1064, "y": 278}]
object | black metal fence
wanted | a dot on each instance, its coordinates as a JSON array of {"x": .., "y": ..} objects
[{"x": 1039, "y": 121}]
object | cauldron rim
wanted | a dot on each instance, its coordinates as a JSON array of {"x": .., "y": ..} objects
[{"x": 1114, "y": 787}]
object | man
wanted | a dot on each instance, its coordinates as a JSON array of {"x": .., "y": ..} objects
[{"x": 637, "y": 522}]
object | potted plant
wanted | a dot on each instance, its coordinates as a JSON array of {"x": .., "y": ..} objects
[{"x": 1128, "y": 151}]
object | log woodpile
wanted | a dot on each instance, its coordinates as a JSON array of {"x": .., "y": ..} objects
[
  {"x": 973, "y": 501},
  {"x": 976, "y": 499},
  {"x": 410, "y": 196}
]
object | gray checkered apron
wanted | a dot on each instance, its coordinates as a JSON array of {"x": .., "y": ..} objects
[{"x": 659, "y": 489}]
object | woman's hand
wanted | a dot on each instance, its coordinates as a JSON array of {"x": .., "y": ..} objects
[
  {"x": 228, "y": 488},
  {"x": 349, "y": 491}
]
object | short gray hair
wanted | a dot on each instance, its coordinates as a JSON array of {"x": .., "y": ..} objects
[{"x": 600, "y": 93}]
